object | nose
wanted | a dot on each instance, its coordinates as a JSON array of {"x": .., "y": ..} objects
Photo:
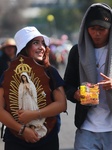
[
  {"x": 97, "y": 32},
  {"x": 40, "y": 45}
]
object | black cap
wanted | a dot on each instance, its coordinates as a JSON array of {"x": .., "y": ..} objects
[{"x": 99, "y": 16}]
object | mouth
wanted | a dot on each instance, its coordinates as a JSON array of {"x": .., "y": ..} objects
[
  {"x": 97, "y": 39},
  {"x": 39, "y": 54}
]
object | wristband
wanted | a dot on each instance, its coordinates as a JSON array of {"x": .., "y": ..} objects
[{"x": 21, "y": 129}]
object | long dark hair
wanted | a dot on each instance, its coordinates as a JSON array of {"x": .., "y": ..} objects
[{"x": 23, "y": 80}]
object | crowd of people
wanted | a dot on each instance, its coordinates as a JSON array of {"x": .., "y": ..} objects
[
  {"x": 59, "y": 50},
  {"x": 38, "y": 118}
]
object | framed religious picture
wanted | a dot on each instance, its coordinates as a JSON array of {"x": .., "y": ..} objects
[{"x": 26, "y": 87}]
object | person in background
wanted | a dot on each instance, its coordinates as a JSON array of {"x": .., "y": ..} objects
[
  {"x": 0, "y": 50},
  {"x": 91, "y": 61},
  {"x": 8, "y": 49},
  {"x": 31, "y": 43}
]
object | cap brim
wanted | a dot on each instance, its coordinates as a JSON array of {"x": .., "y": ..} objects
[{"x": 100, "y": 23}]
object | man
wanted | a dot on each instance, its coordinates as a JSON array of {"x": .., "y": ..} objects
[{"x": 91, "y": 61}]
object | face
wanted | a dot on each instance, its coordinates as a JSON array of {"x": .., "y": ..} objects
[
  {"x": 23, "y": 77},
  {"x": 36, "y": 48},
  {"x": 99, "y": 35},
  {"x": 10, "y": 51}
]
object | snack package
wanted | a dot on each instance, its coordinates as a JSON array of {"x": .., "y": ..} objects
[{"x": 89, "y": 94}]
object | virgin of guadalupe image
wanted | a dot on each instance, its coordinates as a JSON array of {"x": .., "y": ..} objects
[{"x": 27, "y": 100}]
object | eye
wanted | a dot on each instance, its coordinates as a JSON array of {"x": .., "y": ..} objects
[
  {"x": 102, "y": 28},
  {"x": 92, "y": 28},
  {"x": 35, "y": 42}
]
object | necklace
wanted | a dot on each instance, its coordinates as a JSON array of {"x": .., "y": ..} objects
[{"x": 97, "y": 63}]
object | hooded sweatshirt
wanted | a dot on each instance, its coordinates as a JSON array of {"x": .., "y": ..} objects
[{"x": 99, "y": 117}]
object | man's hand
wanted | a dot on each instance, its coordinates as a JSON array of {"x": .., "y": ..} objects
[
  {"x": 77, "y": 95},
  {"x": 106, "y": 83}
]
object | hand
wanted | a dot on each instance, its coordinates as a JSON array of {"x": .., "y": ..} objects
[
  {"x": 46, "y": 60},
  {"x": 106, "y": 82},
  {"x": 25, "y": 116},
  {"x": 27, "y": 87},
  {"x": 30, "y": 135},
  {"x": 77, "y": 95}
]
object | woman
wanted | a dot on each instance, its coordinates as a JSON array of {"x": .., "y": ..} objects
[
  {"x": 31, "y": 43},
  {"x": 27, "y": 94},
  {"x": 27, "y": 100}
]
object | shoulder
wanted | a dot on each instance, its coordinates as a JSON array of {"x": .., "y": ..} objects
[
  {"x": 74, "y": 50},
  {"x": 73, "y": 55},
  {"x": 51, "y": 70},
  {"x": 55, "y": 78},
  {"x": 55, "y": 74}
]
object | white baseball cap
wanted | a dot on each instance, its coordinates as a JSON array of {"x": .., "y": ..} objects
[{"x": 26, "y": 34}]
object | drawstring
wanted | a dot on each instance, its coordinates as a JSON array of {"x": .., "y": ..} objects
[{"x": 2, "y": 130}]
